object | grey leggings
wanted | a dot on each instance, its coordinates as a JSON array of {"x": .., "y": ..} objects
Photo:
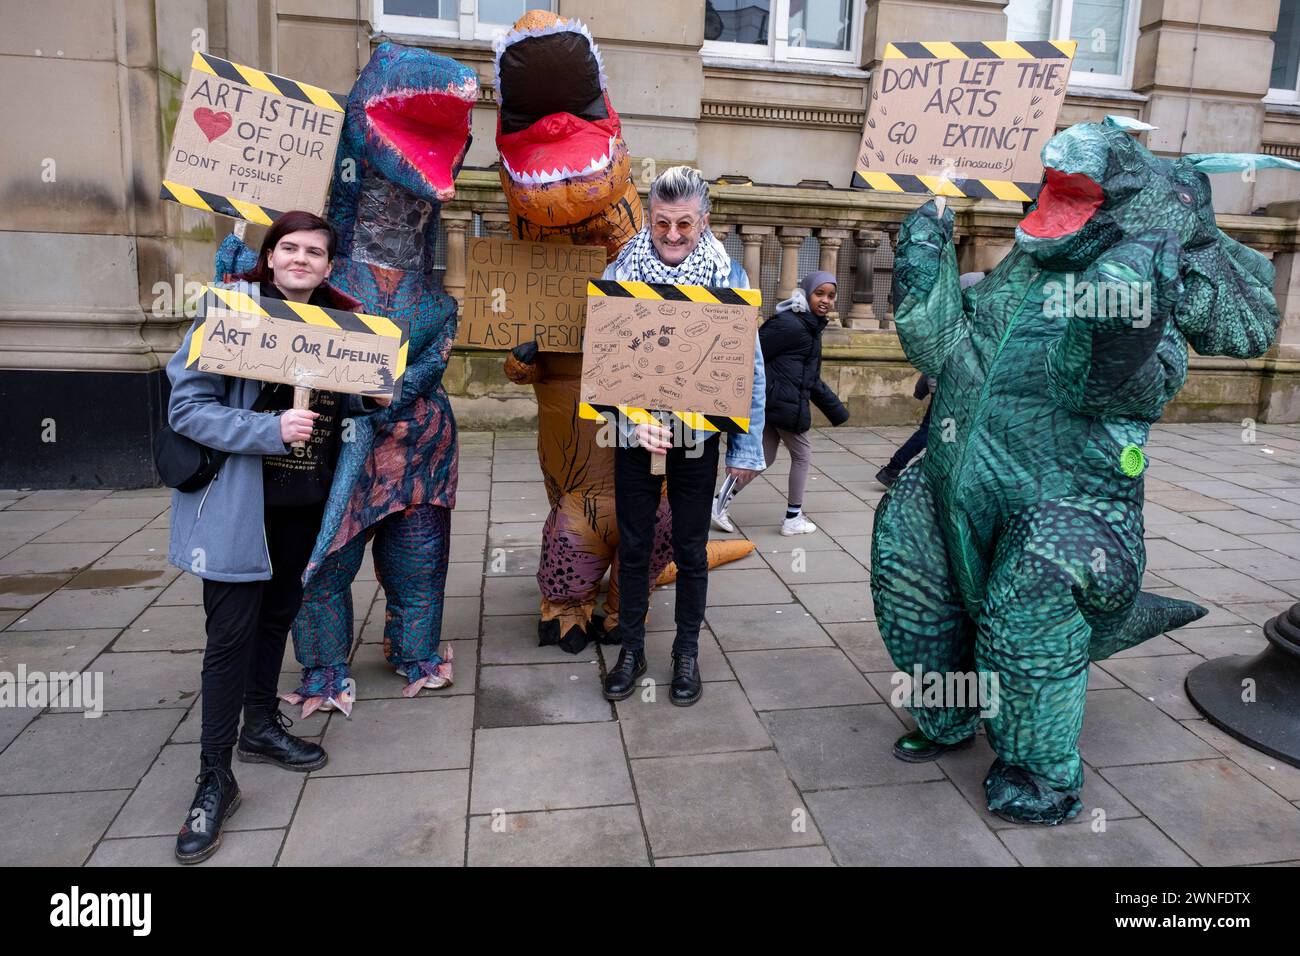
[{"x": 800, "y": 448}]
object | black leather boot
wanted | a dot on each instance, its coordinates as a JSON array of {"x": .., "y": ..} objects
[
  {"x": 620, "y": 682},
  {"x": 266, "y": 739},
  {"x": 687, "y": 687},
  {"x": 214, "y": 802}
]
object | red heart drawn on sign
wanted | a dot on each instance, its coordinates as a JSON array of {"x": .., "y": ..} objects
[{"x": 212, "y": 124}]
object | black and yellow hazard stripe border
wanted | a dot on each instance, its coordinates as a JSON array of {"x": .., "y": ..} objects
[
  {"x": 233, "y": 206},
  {"x": 245, "y": 301},
  {"x": 669, "y": 293},
  {"x": 972, "y": 188}
]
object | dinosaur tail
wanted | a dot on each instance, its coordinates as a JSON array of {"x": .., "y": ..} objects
[
  {"x": 1151, "y": 614},
  {"x": 720, "y": 552}
]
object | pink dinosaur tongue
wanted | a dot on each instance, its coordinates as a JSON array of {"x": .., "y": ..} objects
[
  {"x": 1067, "y": 201},
  {"x": 428, "y": 129}
]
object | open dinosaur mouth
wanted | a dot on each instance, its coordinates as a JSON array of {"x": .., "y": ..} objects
[
  {"x": 556, "y": 147},
  {"x": 561, "y": 129},
  {"x": 428, "y": 129},
  {"x": 1066, "y": 202}
]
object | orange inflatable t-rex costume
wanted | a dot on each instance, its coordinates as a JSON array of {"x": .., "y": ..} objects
[{"x": 565, "y": 173}]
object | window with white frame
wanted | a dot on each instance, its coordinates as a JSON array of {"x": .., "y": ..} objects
[
  {"x": 1284, "y": 80},
  {"x": 1106, "y": 31},
  {"x": 826, "y": 30},
  {"x": 461, "y": 19}
]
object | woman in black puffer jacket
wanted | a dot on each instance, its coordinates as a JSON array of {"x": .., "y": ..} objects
[{"x": 792, "y": 353}]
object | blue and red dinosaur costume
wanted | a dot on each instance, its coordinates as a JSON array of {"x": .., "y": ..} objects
[{"x": 405, "y": 136}]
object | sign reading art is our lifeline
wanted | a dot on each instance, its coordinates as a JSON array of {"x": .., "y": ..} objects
[
  {"x": 247, "y": 335},
  {"x": 963, "y": 118},
  {"x": 251, "y": 145}
]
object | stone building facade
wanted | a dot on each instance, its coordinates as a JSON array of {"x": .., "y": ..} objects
[{"x": 766, "y": 97}]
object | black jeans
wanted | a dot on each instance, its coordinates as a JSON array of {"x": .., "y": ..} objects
[
  {"x": 636, "y": 499},
  {"x": 248, "y": 624},
  {"x": 914, "y": 445}
]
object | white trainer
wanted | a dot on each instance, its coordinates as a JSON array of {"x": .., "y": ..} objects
[
  {"x": 797, "y": 525},
  {"x": 720, "y": 519}
]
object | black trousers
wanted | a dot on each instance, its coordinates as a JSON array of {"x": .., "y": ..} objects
[
  {"x": 248, "y": 624},
  {"x": 914, "y": 445},
  {"x": 636, "y": 499}
]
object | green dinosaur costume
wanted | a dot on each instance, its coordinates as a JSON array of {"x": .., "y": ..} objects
[{"x": 1015, "y": 545}]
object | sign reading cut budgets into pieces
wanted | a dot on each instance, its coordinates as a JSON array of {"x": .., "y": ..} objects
[
  {"x": 963, "y": 118},
  {"x": 517, "y": 292},
  {"x": 684, "y": 349},
  {"x": 251, "y": 145},
  {"x": 243, "y": 334}
]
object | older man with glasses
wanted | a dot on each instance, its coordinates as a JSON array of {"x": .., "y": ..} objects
[{"x": 675, "y": 247}]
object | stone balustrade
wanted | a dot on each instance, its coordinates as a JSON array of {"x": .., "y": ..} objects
[{"x": 781, "y": 232}]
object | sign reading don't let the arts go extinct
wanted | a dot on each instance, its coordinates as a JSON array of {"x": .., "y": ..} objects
[
  {"x": 250, "y": 144},
  {"x": 963, "y": 119},
  {"x": 243, "y": 334},
  {"x": 517, "y": 292}
]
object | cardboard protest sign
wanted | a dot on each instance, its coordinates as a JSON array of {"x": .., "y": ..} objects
[
  {"x": 273, "y": 340},
  {"x": 516, "y": 292},
  {"x": 684, "y": 349},
  {"x": 251, "y": 145},
  {"x": 963, "y": 119}
]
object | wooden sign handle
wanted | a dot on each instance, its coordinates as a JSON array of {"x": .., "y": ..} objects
[
  {"x": 302, "y": 400},
  {"x": 658, "y": 463}
]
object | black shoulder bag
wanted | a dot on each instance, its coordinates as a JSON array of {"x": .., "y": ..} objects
[{"x": 186, "y": 465}]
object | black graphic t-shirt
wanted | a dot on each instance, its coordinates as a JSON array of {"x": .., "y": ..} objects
[{"x": 303, "y": 476}]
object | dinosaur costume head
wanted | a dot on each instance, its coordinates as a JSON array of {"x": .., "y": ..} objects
[
  {"x": 564, "y": 165},
  {"x": 405, "y": 136},
  {"x": 413, "y": 113},
  {"x": 1102, "y": 185}
]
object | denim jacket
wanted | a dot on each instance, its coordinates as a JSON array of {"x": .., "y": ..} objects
[{"x": 743, "y": 450}]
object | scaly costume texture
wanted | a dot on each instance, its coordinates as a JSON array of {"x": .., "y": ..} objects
[
  {"x": 1016, "y": 546},
  {"x": 405, "y": 135},
  {"x": 564, "y": 169}
]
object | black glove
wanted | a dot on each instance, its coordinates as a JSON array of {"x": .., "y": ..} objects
[{"x": 525, "y": 352}]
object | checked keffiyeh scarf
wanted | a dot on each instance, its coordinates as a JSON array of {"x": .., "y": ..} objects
[{"x": 708, "y": 264}]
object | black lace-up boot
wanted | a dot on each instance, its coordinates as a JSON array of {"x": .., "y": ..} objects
[
  {"x": 266, "y": 739},
  {"x": 620, "y": 682},
  {"x": 215, "y": 801},
  {"x": 686, "y": 687}
]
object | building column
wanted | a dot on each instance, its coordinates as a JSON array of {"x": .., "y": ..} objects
[
  {"x": 830, "y": 241},
  {"x": 457, "y": 223},
  {"x": 861, "y": 314},
  {"x": 889, "y": 21},
  {"x": 496, "y": 225},
  {"x": 1205, "y": 82},
  {"x": 752, "y": 238},
  {"x": 791, "y": 238}
]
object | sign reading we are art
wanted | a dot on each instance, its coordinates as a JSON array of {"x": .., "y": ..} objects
[
  {"x": 682, "y": 349},
  {"x": 251, "y": 145},
  {"x": 963, "y": 118}
]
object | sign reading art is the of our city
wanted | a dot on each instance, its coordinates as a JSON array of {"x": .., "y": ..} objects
[
  {"x": 517, "y": 292},
  {"x": 251, "y": 145},
  {"x": 963, "y": 118},
  {"x": 247, "y": 335}
]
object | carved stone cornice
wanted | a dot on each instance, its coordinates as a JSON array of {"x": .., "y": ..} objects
[{"x": 763, "y": 114}]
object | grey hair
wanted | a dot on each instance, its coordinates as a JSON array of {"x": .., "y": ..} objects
[{"x": 678, "y": 184}]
